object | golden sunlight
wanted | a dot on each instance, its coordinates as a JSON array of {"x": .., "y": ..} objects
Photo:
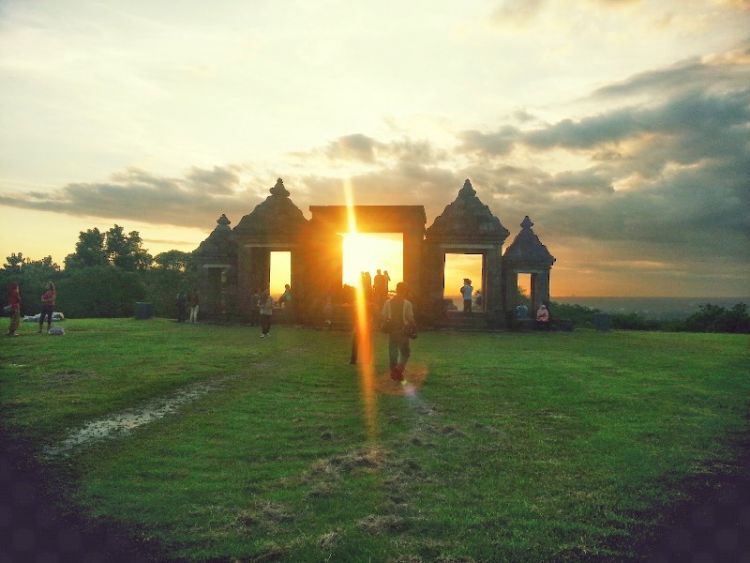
[
  {"x": 281, "y": 272},
  {"x": 362, "y": 331},
  {"x": 458, "y": 267},
  {"x": 365, "y": 252}
]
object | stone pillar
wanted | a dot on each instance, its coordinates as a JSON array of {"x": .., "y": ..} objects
[
  {"x": 432, "y": 282},
  {"x": 210, "y": 292},
  {"x": 539, "y": 288},
  {"x": 326, "y": 263},
  {"x": 244, "y": 280},
  {"x": 298, "y": 282},
  {"x": 412, "y": 265},
  {"x": 493, "y": 296},
  {"x": 511, "y": 283}
]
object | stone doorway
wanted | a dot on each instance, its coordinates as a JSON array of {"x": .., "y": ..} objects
[{"x": 458, "y": 266}]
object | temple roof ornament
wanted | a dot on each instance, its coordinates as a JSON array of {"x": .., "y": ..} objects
[
  {"x": 223, "y": 222},
  {"x": 527, "y": 249},
  {"x": 220, "y": 243},
  {"x": 467, "y": 220},
  {"x": 279, "y": 189},
  {"x": 277, "y": 215}
]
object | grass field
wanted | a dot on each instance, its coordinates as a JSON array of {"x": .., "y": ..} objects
[{"x": 514, "y": 447}]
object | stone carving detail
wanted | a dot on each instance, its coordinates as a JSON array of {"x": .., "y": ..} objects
[
  {"x": 526, "y": 248},
  {"x": 467, "y": 219},
  {"x": 220, "y": 243},
  {"x": 276, "y": 215}
]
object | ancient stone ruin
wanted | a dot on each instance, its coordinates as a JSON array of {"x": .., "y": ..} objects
[{"x": 234, "y": 264}]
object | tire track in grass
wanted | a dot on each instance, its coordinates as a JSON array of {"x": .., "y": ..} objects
[{"x": 123, "y": 423}]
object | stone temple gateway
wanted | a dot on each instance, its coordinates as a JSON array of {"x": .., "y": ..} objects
[{"x": 235, "y": 263}]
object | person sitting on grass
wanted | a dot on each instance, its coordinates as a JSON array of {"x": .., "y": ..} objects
[{"x": 542, "y": 317}]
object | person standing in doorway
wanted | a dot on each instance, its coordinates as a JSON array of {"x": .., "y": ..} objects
[
  {"x": 379, "y": 289},
  {"x": 194, "y": 306},
  {"x": 467, "y": 292},
  {"x": 254, "y": 307},
  {"x": 398, "y": 316},
  {"x": 14, "y": 302},
  {"x": 181, "y": 302},
  {"x": 265, "y": 308},
  {"x": 48, "y": 306}
]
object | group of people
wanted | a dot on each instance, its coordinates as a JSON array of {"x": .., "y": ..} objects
[
  {"x": 542, "y": 317},
  {"x": 188, "y": 305},
  {"x": 375, "y": 288},
  {"x": 14, "y": 307}
]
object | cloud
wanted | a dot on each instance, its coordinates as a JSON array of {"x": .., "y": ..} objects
[
  {"x": 517, "y": 12},
  {"x": 353, "y": 147},
  {"x": 667, "y": 181},
  {"x": 361, "y": 148},
  {"x": 497, "y": 143},
  {"x": 524, "y": 12},
  {"x": 217, "y": 181},
  {"x": 405, "y": 183},
  {"x": 193, "y": 201},
  {"x": 718, "y": 72},
  {"x": 660, "y": 176}
]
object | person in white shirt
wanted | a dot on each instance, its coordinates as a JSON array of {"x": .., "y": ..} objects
[
  {"x": 265, "y": 307},
  {"x": 467, "y": 291}
]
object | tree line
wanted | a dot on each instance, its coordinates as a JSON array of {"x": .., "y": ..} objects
[
  {"x": 105, "y": 275},
  {"x": 708, "y": 318},
  {"x": 109, "y": 271}
]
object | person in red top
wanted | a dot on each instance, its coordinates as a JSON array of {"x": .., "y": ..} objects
[
  {"x": 14, "y": 302},
  {"x": 48, "y": 305},
  {"x": 542, "y": 317}
]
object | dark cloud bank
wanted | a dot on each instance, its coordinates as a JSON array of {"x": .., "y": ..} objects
[{"x": 668, "y": 179}]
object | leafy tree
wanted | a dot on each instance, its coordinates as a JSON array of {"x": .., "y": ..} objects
[
  {"x": 174, "y": 260},
  {"x": 89, "y": 250},
  {"x": 126, "y": 251},
  {"x": 100, "y": 291},
  {"x": 14, "y": 262},
  {"x": 713, "y": 318}
]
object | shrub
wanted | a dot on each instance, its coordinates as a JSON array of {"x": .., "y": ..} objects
[
  {"x": 713, "y": 318},
  {"x": 99, "y": 291}
]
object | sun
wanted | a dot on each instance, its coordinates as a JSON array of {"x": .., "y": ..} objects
[{"x": 365, "y": 252}]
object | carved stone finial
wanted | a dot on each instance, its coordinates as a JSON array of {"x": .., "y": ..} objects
[
  {"x": 279, "y": 189},
  {"x": 468, "y": 190},
  {"x": 526, "y": 223},
  {"x": 223, "y": 221}
]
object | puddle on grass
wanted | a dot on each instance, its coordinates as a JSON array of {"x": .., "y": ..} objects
[{"x": 124, "y": 422}]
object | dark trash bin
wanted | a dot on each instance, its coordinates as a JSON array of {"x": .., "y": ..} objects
[{"x": 143, "y": 310}]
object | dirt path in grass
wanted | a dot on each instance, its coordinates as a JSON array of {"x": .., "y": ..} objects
[{"x": 126, "y": 421}]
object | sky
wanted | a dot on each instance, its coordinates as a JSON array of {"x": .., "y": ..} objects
[{"x": 621, "y": 127}]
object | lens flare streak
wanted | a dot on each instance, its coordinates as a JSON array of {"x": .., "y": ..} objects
[{"x": 363, "y": 333}]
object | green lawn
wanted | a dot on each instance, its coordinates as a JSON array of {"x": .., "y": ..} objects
[{"x": 516, "y": 447}]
